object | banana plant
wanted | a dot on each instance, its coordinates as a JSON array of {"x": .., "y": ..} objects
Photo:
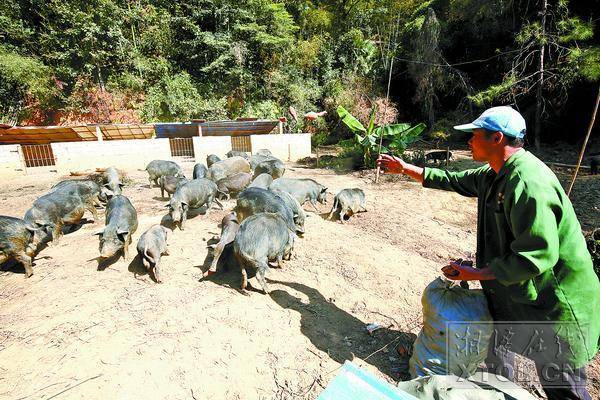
[{"x": 395, "y": 138}]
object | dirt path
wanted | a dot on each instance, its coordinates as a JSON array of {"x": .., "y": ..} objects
[{"x": 116, "y": 334}]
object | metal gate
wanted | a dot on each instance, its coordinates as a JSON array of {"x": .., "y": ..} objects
[
  {"x": 241, "y": 143},
  {"x": 38, "y": 155},
  {"x": 182, "y": 147}
]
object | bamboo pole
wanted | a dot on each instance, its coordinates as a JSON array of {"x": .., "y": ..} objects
[
  {"x": 387, "y": 98},
  {"x": 589, "y": 132}
]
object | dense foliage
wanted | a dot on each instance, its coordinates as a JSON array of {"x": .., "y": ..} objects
[{"x": 70, "y": 60}]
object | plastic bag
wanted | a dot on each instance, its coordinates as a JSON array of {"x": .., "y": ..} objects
[
  {"x": 482, "y": 386},
  {"x": 457, "y": 327},
  {"x": 447, "y": 387}
]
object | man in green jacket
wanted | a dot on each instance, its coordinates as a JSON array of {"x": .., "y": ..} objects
[{"x": 532, "y": 260}]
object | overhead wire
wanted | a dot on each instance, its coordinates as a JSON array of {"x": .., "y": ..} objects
[{"x": 456, "y": 64}]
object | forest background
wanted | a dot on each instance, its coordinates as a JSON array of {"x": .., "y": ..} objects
[{"x": 126, "y": 61}]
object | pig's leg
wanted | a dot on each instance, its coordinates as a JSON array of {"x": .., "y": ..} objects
[
  {"x": 260, "y": 276},
  {"x": 92, "y": 209},
  {"x": 280, "y": 262},
  {"x": 244, "y": 279},
  {"x": 331, "y": 212},
  {"x": 287, "y": 255},
  {"x": 183, "y": 219},
  {"x": 333, "y": 208},
  {"x": 56, "y": 233},
  {"x": 162, "y": 192},
  {"x": 216, "y": 256},
  {"x": 219, "y": 203},
  {"x": 126, "y": 248},
  {"x": 156, "y": 271},
  {"x": 24, "y": 259},
  {"x": 342, "y": 215},
  {"x": 314, "y": 204}
]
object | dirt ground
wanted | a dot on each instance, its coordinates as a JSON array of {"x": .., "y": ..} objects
[{"x": 72, "y": 331}]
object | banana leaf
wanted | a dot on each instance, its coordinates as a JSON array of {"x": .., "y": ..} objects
[
  {"x": 409, "y": 136},
  {"x": 372, "y": 119},
  {"x": 412, "y": 134},
  {"x": 352, "y": 123},
  {"x": 391, "y": 130}
]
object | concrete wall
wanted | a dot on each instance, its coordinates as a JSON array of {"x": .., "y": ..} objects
[
  {"x": 287, "y": 147},
  {"x": 80, "y": 156},
  {"x": 10, "y": 160},
  {"x": 205, "y": 145},
  {"x": 138, "y": 153}
]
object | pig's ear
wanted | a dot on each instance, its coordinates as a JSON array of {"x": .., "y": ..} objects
[
  {"x": 323, "y": 190},
  {"x": 100, "y": 232},
  {"x": 32, "y": 228},
  {"x": 184, "y": 204},
  {"x": 122, "y": 234}
]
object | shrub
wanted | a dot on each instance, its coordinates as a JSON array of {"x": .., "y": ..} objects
[{"x": 173, "y": 98}]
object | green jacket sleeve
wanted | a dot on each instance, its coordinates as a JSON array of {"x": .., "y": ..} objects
[
  {"x": 532, "y": 212},
  {"x": 465, "y": 182}
]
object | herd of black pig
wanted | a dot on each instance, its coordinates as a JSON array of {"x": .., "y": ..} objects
[{"x": 262, "y": 227}]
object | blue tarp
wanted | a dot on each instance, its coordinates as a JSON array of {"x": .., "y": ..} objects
[{"x": 353, "y": 383}]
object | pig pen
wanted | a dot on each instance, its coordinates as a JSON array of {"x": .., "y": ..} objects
[{"x": 72, "y": 331}]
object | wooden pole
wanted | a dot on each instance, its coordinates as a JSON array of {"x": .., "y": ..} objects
[
  {"x": 387, "y": 97},
  {"x": 589, "y": 132},
  {"x": 447, "y": 155},
  {"x": 538, "y": 95},
  {"x": 99, "y": 133}
]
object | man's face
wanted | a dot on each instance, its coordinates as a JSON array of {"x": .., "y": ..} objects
[{"x": 481, "y": 145}]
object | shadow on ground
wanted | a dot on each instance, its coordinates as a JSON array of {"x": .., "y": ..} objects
[{"x": 343, "y": 336}]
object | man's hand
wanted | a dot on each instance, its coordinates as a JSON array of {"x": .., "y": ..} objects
[
  {"x": 463, "y": 271},
  {"x": 391, "y": 164},
  {"x": 396, "y": 165}
]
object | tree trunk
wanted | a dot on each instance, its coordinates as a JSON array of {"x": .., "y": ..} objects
[{"x": 538, "y": 97}]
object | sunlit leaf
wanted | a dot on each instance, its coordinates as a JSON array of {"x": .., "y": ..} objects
[
  {"x": 372, "y": 118},
  {"x": 352, "y": 123}
]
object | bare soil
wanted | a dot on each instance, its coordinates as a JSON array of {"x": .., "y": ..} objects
[{"x": 74, "y": 330}]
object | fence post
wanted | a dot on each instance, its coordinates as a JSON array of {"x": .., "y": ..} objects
[
  {"x": 22, "y": 158},
  {"x": 99, "y": 133}
]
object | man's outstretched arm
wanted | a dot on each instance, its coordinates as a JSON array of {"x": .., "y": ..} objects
[
  {"x": 396, "y": 165},
  {"x": 465, "y": 182}
]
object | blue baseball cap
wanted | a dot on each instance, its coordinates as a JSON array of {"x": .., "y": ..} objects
[{"x": 503, "y": 119}]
